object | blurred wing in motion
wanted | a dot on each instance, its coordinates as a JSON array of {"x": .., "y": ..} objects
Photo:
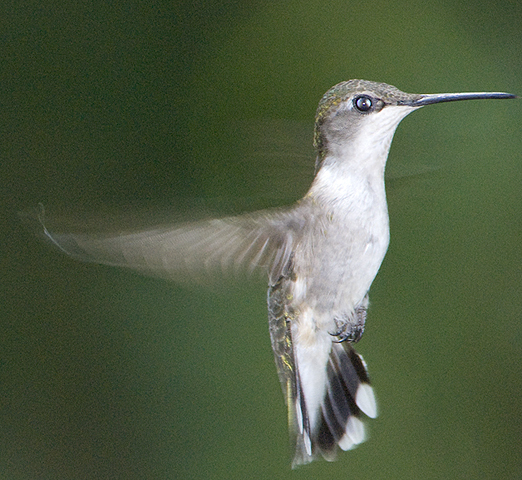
[{"x": 189, "y": 251}]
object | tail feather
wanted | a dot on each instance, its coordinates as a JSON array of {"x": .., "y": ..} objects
[
  {"x": 326, "y": 385},
  {"x": 348, "y": 397}
]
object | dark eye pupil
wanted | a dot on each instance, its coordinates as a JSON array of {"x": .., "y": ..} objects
[{"x": 363, "y": 104}]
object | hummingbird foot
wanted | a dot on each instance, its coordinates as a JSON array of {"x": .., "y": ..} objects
[{"x": 350, "y": 328}]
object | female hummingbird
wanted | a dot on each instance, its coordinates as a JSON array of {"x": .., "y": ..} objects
[{"x": 321, "y": 256}]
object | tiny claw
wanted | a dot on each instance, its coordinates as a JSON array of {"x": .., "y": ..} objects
[
  {"x": 342, "y": 338},
  {"x": 348, "y": 332},
  {"x": 336, "y": 334}
]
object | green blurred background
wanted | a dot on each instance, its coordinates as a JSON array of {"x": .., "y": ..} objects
[{"x": 108, "y": 375}]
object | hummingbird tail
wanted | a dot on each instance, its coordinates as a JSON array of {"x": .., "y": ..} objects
[
  {"x": 326, "y": 385},
  {"x": 337, "y": 420}
]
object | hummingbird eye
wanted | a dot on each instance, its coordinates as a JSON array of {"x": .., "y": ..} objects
[{"x": 363, "y": 103}]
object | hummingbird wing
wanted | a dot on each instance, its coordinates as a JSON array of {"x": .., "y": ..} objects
[
  {"x": 325, "y": 384},
  {"x": 190, "y": 251}
]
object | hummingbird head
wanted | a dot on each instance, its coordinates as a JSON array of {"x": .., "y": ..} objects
[{"x": 357, "y": 118}]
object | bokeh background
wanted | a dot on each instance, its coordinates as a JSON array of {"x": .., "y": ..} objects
[{"x": 132, "y": 105}]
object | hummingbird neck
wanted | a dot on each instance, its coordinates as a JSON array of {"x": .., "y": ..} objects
[
  {"x": 346, "y": 183},
  {"x": 353, "y": 159}
]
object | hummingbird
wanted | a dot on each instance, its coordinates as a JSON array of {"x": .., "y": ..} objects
[{"x": 320, "y": 255}]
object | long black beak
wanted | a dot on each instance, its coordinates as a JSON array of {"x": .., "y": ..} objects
[{"x": 422, "y": 100}]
